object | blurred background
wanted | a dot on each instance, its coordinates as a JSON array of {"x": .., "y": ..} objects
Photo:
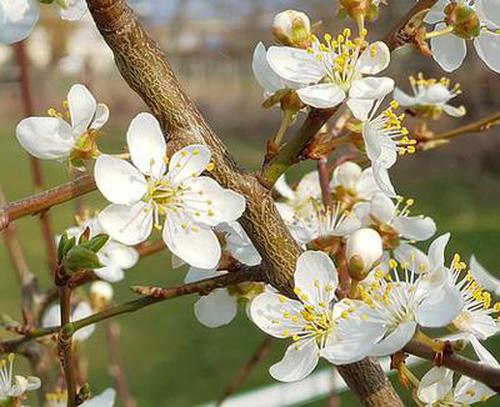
[{"x": 170, "y": 359}]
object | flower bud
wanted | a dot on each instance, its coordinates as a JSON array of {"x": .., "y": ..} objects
[
  {"x": 292, "y": 28},
  {"x": 463, "y": 19},
  {"x": 101, "y": 294},
  {"x": 364, "y": 250},
  {"x": 359, "y": 10}
]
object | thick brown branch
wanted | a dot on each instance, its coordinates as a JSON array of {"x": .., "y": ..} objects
[
  {"x": 39, "y": 203},
  {"x": 481, "y": 372}
]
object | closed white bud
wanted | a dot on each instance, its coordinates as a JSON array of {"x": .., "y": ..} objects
[
  {"x": 101, "y": 294},
  {"x": 292, "y": 28},
  {"x": 347, "y": 175},
  {"x": 364, "y": 250}
]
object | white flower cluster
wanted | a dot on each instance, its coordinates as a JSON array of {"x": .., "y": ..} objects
[{"x": 364, "y": 229}]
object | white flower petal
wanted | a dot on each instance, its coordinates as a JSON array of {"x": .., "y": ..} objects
[
  {"x": 82, "y": 310},
  {"x": 412, "y": 256},
  {"x": 415, "y": 227},
  {"x": 374, "y": 59},
  {"x": 487, "y": 280},
  {"x": 469, "y": 391},
  {"x": 436, "y": 250},
  {"x": 299, "y": 361},
  {"x": 488, "y": 48},
  {"x": 382, "y": 208},
  {"x": 440, "y": 307},
  {"x": 316, "y": 277},
  {"x": 435, "y": 385},
  {"x": 17, "y": 19},
  {"x": 216, "y": 309},
  {"x": 52, "y": 316},
  {"x": 111, "y": 274},
  {"x": 121, "y": 255},
  {"x": 268, "y": 309},
  {"x": 119, "y": 181},
  {"x": 353, "y": 338},
  {"x": 396, "y": 340},
  {"x": 207, "y": 202},
  {"x": 295, "y": 64},
  {"x": 196, "y": 244},
  {"x": 195, "y": 274},
  {"x": 490, "y": 9},
  {"x": 101, "y": 116},
  {"x": 128, "y": 224},
  {"x": 283, "y": 188},
  {"x": 404, "y": 99},
  {"x": 454, "y": 111},
  {"x": 147, "y": 145},
  {"x": 105, "y": 399},
  {"x": 449, "y": 51},
  {"x": 267, "y": 78},
  {"x": 46, "y": 138},
  {"x": 322, "y": 96},
  {"x": 360, "y": 108},
  {"x": 436, "y": 13},
  {"x": 347, "y": 175},
  {"x": 82, "y": 108},
  {"x": 188, "y": 162},
  {"x": 371, "y": 88},
  {"x": 381, "y": 175}
]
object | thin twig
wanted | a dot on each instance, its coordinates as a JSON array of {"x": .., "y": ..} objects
[
  {"x": 65, "y": 345},
  {"x": 244, "y": 372},
  {"x": 152, "y": 295},
  {"x": 481, "y": 372},
  {"x": 116, "y": 364},
  {"x": 324, "y": 182},
  {"x": 36, "y": 167},
  {"x": 42, "y": 201}
]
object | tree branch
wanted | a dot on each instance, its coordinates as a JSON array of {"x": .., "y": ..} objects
[
  {"x": 41, "y": 202},
  {"x": 65, "y": 345},
  {"x": 481, "y": 372},
  {"x": 404, "y": 32},
  {"x": 243, "y": 373}
]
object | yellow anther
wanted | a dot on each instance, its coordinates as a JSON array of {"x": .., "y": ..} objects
[{"x": 210, "y": 166}]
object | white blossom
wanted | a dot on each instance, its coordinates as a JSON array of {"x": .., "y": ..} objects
[
  {"x": 449, "y": 50},
  {"x": 394, "y": 224},
  {"x": 53, "y": 138},
  {"x": 14, "y": 386},
  {"x": 146, "y": 190},
  {"x": 404, "y": 299},
  {"x": 52, "y": 318},
  {"x": 318, "y": 325},
  {"x": 238, "y": 244},
  {"x": 385, "y": 138},
  {"x": 430, "y": 95},
  {"x": 332, "y": 71}
]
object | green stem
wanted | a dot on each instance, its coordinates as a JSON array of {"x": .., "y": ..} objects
[
  {"x": 439, "y": 33},
  {"x": 286, "y": 120}
]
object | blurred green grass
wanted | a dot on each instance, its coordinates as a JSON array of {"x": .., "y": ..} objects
[{"x": 170, "y": 359}]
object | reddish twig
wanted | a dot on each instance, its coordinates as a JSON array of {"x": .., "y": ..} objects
[
  {"x": 43, "y": 201},
  {"x": 116, "y": 364},
  {"x": 36, "y": 167}
]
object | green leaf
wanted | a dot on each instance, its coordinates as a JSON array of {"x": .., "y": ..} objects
[
  {"x": 96, "y": 243},
  {"x": 65, "y": 245},
  {"x": 80, "y": 257}
]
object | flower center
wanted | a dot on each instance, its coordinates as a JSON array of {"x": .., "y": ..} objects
[{"x": 339, "y": 57}]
